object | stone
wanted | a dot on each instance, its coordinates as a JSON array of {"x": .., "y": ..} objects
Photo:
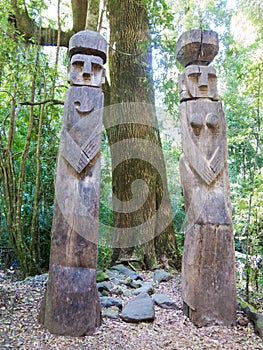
[
  {"x": 164, "y": 301},
  {"x": 38, "y": 280},
  {"x": 116, "y": 281},
  {"x": 129, "y": 282},
  {"x": 126, "y": 272},
  {"x": 138, "y": 283},
  {"x": 115, "y": 275},
  {"x": 254, "y": 317},
  {"x": 105, "y": 285},
  {"x": 112, "y": 312},
  {"x": 117, "y": 290},
  {"x": 139, "y": 309},
  {"x": 108, "y": 302},
  {"x": 161, "y": 276},
  {"x": 147, "y": 287},
  {"x": 127, "y": 292}
]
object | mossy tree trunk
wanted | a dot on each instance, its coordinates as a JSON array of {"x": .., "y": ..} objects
[{"x": 131, "y": 80}]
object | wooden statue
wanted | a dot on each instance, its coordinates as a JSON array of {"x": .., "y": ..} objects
[
  {"x": 208, "y": 271},
  {"x": 71, "y": 305}
]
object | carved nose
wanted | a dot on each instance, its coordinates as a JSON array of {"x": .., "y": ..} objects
[
  {"x": 86, "y": 76},
  {"x": 203, "y": 86},
  {"x": 86, "y": 70},
  {"x": 203, "y": 82}
]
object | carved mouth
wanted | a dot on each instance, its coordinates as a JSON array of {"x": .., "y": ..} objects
[{"x": 82, "y": 111}]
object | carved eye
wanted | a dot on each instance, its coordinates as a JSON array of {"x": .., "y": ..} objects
[
  {"x": 195, "y": 121},
  {"x": 212, "y": 76},
  {"x": 78, "y": 64},
  {"x": 194, "y": 76},
  {"x": 212, "y": 121},
  {"x": 96, "y": 67}
]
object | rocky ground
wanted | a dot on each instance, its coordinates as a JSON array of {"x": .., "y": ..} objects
[{"x": 171, "y": 330}]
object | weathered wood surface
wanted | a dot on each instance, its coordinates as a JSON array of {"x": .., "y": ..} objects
[
  {"x": 208, "y": 271},
  {"x": 88, "y": 42},
  {"x": 197, "y": 47},
  {"x": 198, "y": 82},
  {"x": 71, "y": 304},
  {"x": 208, "y": 286}
]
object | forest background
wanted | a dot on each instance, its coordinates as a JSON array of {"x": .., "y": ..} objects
[{"x": 32, "y": 91}]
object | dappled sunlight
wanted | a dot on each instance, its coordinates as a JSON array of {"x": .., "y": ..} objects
[{"x": 243, "y": 30}]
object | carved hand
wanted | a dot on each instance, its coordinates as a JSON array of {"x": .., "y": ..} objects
[
  {"x": 79, "y": 157},
  {"x": 92, "y": 147},
  {"x": 217, "y": 160},
  {"x": 206, "y": 172},
  {"x": 71, "y": 151},
  {"x": 196, "y": 160}
]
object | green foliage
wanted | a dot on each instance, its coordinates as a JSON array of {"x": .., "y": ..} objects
[
  {"x": 104, "y": 256},
  {"x": 101, "y": 276},
  {"x": 26, "y": 77},
  {"x": 105, "y": 212}
]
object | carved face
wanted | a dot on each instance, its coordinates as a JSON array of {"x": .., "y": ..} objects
[
  {"x": 86, "y": 70},
  {"x": 198, "y": 82}
]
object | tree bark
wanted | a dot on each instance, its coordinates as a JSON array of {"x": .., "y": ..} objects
[
  {"x": 93, "y": 15},
  {"x": 132, "y": 82},
  {"x": 85, "y": 15},
  {"x": 79, "y": 14},
  {"x": 31, "y": 30}
]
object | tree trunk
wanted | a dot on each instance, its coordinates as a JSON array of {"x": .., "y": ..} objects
[
  {"x": 132, "y": 82},
  {"x": 93, "y": 15}
]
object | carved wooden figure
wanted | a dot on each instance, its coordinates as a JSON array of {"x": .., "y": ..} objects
[
  {"x": 71, "y": 305},
  {"x": 208, "y": 271}
]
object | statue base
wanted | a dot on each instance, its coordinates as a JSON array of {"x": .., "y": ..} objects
[
  {"x": 208, "y": 275},
  {"x": 71, "y": 305}
]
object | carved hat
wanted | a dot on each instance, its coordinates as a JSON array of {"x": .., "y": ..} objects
[
  {"x": 88, "y": 42},
  {"x": 197, "y": 46}
]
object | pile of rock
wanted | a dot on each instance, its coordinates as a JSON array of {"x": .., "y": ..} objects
[
  {"x": 35, "y": 281},
  {"x": 120, "y": 281},
  {"x": 124, "y": 293}
]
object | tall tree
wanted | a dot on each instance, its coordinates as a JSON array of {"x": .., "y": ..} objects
[{"x": 131, "y": 80}]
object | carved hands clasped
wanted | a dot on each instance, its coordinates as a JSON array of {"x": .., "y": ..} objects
[{"x": 207, "y": 169}]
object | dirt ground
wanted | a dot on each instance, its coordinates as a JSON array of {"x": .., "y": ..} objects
[{"x": 171, "y": 330}]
